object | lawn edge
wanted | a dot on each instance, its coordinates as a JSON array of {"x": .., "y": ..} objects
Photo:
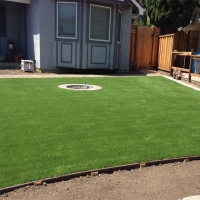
[
  {"x": 107, "y": 170},
  {"x": 182, "y": 83}
]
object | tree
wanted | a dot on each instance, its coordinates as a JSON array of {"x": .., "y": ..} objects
[{"x": 170, "y": 14}]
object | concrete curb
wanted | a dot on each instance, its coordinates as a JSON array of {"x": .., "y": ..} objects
[
  {"x": 107, "y": 170},
  {"x": 182, "y": 83},
  {"x": 72, "y": 75}
]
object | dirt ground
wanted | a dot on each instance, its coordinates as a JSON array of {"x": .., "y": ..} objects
[
  {"x": 167, "y": 182},
  {"x": 73, "y": 72}
]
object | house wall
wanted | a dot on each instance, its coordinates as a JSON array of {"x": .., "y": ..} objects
[
  {"x": 40, "y": 31},
  {"x": 46, "y": 33},
  {"x": 97, "y": 54},
  {"x": 33, "y": 32},
  {"x": 81, "y": 52},
  {"x": 47, "y": 50},
  {"x": 196, "y": 17},
  {"x": 194, "y": 26},
  {"x": 125, "y": 45},
  {"x": 197, "y": 28},
  {"x": 198, "y": 46},
  {"x": 15, "y": 21}
]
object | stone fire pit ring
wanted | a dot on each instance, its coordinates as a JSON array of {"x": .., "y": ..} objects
[{"x": 80, "y": 87}]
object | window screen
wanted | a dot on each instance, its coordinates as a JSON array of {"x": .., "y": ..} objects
[
  {"x": 67, "y": 17},
  {"x": 119, "y": 26},
  {"x": 2, "y": 20},
  {"x": 100, "y": 23}
]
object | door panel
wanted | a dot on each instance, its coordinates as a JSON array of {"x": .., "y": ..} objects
[
  {"x": 98, "y": 56},
  {"x": 66, "y": 54}
]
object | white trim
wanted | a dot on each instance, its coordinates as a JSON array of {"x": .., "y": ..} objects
[
  {"x": 109, "y": 23},
  {"x": 67, "y": 37},
  {"x": 140, "y": 8},
  {"x": 191, "y": 27},
  {"x": 119, "y": 42},
  {"x": 20, "y": 1}
]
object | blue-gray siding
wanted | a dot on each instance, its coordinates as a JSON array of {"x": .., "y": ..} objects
[{"x": 38, "y": 28}]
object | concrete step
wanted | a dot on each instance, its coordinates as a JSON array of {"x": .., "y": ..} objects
[{"x": 10, "y": 65}]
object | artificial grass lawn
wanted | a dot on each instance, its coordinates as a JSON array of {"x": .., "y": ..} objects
[{"x": 46, "y": 131}]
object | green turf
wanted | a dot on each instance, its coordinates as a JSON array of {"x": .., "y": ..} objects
[{"x": 46, "y": 131}]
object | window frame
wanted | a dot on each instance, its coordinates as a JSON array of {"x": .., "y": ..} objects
[
  {"x": 119, "y": 42},
  {"x": 57, "y": 19},
  {"x": 110, "y": 15}
]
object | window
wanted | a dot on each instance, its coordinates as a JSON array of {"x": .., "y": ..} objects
[
  {"x": 2, "y": 20},
  {"x": 67, "y": 20},
  {"x": 100, "y": 19},
  {"x": 119, "y": 26}
]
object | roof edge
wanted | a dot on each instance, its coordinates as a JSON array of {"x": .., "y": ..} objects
[
  {"x": 20, "y": 1},
  {"x": 139, "y": 6}
]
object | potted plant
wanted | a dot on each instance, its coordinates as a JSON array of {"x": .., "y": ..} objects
[
  {"x": 11, "y": 43},
  {"x": 18, "y": 55}
]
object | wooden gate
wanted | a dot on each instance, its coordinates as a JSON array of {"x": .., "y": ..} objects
[{"x": 144, "y": 47}]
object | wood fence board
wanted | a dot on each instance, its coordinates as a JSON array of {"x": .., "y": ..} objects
[
  {"x": 161, "y": 55},
  {"x": 144, "y": 46},
  {"x": 193, "y": 74},
  {"x": 180, "y": 44},
  {"x": 168, "y": 63},
  {"x": 169, "y": 56},
  {"x": 174, "y": 52},
  {"x": 181, "y": 69},
  {"x": 159, "y": 50},
  {"x": 156, "y": 33},
  {"x": 133, "y": 42},
  {"x": 165, "y": 51}
]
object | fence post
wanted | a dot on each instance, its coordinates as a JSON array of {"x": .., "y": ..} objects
[
  {"x": 154, "y": 58},
  {"x": 190, "y": 67},
  {"x": 172, "y": 57},
  {"x": 133, "y": 42}
]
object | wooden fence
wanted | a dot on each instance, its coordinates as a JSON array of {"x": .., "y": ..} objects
[
  {"x": 169, "y": 43},
  {"x": 148, "y": 49},
  {"x": 188, "y": 70},
  {"x": 144, "y": 47},
  {"x": 176, "y": 51},
  {"x": 166, "y": 45}
]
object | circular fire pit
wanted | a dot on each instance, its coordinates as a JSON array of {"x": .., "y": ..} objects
[{"x": 79, "y": 87}]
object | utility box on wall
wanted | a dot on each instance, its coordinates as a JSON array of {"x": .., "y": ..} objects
[{"x": 27, "y": 65}]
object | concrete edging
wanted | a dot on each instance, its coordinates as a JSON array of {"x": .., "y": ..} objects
[{"x": 180, "y": 82}]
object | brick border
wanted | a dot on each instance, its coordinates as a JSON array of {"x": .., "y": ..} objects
[{"x": 95, "y": 172}]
